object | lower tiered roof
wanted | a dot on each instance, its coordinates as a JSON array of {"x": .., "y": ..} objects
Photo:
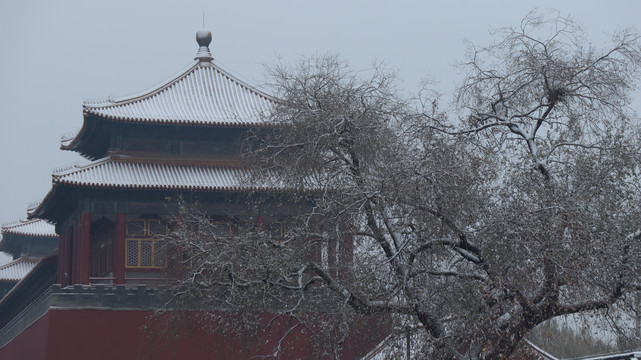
[
  {"x": 123, "y": 173},
  {"x": 35, "y": 227},
  {"x": 17, "y": 269},
  {"x": 112, "y": 172}
]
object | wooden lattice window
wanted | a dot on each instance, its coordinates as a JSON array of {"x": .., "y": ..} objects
[
  {"x": 221, "y": 229},
  {"x": 277, "y": 230},
  {"x": 145, "y": 247}
]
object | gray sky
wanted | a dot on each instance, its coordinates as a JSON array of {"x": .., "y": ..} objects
[{"x": 55, "y": 54}]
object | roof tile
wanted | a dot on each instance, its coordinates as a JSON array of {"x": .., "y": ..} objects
[
  {"x": 16, "y": 270},
  {"x": 36, "y": 227},
  {"x": 116, "y": 173},
  {"x": 201, "y": 95}
]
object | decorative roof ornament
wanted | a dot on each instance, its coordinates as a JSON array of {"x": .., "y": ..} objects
[{"x": 203, "y": 37}]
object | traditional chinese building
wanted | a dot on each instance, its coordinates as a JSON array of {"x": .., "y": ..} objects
[
  {"x": 27, "y": 241},
  {"x": 182, "y": 139}
]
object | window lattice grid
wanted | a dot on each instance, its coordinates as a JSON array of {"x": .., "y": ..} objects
[
  {"x": 132, "y": 253},
  {"x": 136, "y": 227},
  {"x": 142, "y": 249},
  {"x": 145, "y": 253},
  {"x": 277, "y": 230},
  {"x": 157, "y": 228},
  {"x": 221, "y": 229},
  {"x": 274, "y": 230},
  {"x": 160, "y": 254}
]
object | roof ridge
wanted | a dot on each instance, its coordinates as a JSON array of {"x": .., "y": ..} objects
[
  {"x": 236, "y": 101},
  {"x": 19, "y": 260},
  {"x": 24, "y": 222},
  {"x": 64, "y": 168},
  {"x": 18, "y": 223},
  {"x": 235, "y": 78},
  {"x": 140, "y": 95},
  {"x": 18, "y": 269},
  {"x": 162, "y": 86},
  {"x": 77, "y": 167}
]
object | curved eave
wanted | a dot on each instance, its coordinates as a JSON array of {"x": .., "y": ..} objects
[
  {"x": 188, "y": 122},
  {"x": 29, "y": 228},
  {"x": 202, "y": 95},
  {"x": 72, "y": 144},
  {"x": 39, "y": 211},
  {"x": 83, "y": 141},
  {"x": 12, "y": 243},
  {"x": 167, "y": 187},
  {"x": 47, "y": 208}
]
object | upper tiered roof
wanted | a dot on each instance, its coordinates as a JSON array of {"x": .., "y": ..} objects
[{"x": 202, "y": 95}]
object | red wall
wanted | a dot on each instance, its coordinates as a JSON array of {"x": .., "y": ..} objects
[
  {"x": 96, "y": 334},
  {"x": 31, "y": 344}
]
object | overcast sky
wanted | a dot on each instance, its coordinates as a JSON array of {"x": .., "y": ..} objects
[{"x": 55, "y": 54}]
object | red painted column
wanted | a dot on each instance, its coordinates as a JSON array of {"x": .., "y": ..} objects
[
  {"x": 260, "y": 220},
  {"x": 346, "y": 255},
  {"x": 68, "y": 257},
  {"x": 75, "y": 254},
  {"x": 62, "y": 258},
  {"x": 346, "y": 248},
  {"x": 118, "y": 258},
  {"x": 332, "y": 255},
  {"x": 84, "y": 242}
]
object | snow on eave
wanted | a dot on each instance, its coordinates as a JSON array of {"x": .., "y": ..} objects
[{"x": 33, "y": 227}]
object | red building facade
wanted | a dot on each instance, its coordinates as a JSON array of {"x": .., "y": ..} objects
[{"x": 94, "y": 299}]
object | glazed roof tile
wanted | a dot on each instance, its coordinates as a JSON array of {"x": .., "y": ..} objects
[
  {"x": 16, "y": 270},
  {"x": 35, "y": 227},
  {"x": 116, "y": 173},
  {"x": 204, "y": 94}
]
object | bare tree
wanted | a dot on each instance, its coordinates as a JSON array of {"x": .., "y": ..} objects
[
  {"x": 547, "y": 101},
  {"x": 467, "y": 232}
]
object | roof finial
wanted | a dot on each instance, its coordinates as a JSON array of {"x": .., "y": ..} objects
[{"x": 203, "y": 37}]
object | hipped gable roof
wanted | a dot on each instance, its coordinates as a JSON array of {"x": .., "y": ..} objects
[
  {"x": 204, "y": 94},
  {"x": 201, "y": 95},
  {"x": 35, "y": 227}
]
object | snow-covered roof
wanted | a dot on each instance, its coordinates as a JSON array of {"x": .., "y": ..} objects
[
  {"x": 17, "y": 269},
  {"x": 124, "y": 173},
  {"x": 35, "y": 227},
  {"x": 204, "y": 94},
  {"x": 112, "y": 172}
]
